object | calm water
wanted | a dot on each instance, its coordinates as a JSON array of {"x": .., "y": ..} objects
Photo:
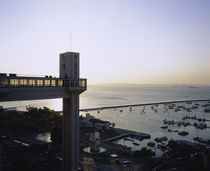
[
  {"x": 107, "y": 95},
  {"x": 147, "y": 122}
]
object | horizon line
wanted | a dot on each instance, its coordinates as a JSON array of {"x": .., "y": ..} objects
[{"x": 172, "y": 84}]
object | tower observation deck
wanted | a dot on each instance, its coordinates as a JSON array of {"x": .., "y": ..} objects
[
  {"x": 68, "y": 86},
  {"x": 14, "y": 87}
]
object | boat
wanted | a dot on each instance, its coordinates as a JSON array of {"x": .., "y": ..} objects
[
  {"x": 135, "y": 143},
  {"x": 207, "y": 110}
]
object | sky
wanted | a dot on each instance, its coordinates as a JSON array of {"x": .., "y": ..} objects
[{"x": 119, "y": 41}]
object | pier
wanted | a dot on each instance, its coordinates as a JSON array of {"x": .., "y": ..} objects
[{"x": 142, "y": 104}]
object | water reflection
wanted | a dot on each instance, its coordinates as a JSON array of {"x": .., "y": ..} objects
[{"x": 45, "y": 137}]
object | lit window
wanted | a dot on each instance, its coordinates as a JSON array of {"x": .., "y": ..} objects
[
  {"x": 4, "y": 82},
  {"x": 32, "y": 82},
  {"x": 14, "y": 82},
  {"x": 47, "y": 83},
  {"x": 39, "y": 83},
  {"x": 82, "y": 83},
  {"x": 53, "y": 83},
  {"x": 60, "y": 83},
  {"x": 23, "y": 82}
]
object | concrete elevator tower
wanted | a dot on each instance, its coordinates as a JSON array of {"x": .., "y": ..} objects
[
  {"x": 68, "y": 86},
  {"x": 69, "y": 69}
]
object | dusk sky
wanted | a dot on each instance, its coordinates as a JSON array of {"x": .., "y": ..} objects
[{"x": 120, "y": 41}]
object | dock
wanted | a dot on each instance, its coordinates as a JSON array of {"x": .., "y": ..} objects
[{"x": 144, "y": 104}]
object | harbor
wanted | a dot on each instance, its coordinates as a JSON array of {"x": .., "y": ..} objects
[{"x": 148, "y": 141}]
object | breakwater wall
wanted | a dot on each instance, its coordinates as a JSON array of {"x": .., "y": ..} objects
[{"x": 142, "y": 104}]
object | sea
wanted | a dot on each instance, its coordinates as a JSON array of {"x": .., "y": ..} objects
[
  {"x": 145, "y": 119},
  {"x": 121, "y": 94}
]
